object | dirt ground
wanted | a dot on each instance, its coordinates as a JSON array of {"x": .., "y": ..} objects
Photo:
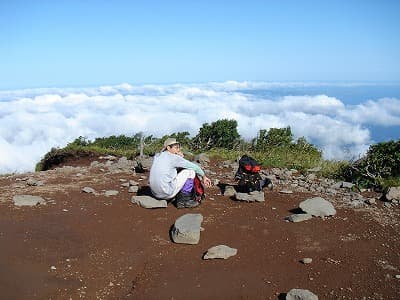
[{"x": 86, "y": 246}]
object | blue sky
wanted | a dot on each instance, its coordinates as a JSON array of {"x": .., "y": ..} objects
[{"x": 88, "y": 43}]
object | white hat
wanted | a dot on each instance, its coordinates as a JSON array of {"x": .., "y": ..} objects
[{"x": 169, "y": 142}]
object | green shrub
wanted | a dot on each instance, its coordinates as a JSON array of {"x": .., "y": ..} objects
[
  {"x": 220, "y": 134},
  {"x": 275, "y": 137},
  {"x": 381, "y": 162}
]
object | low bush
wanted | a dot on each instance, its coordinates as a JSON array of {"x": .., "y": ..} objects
[{"x": 380, "y": 165}]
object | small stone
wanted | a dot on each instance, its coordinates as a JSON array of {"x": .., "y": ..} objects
[
  {"x": 220, "y": 251},
  {"x": 34, "y": 182},
  {"x": 347, "y": 185},
  {"x": 370, "y": 201},
  {"x": 306, "y": 260},
  {"x": 295, "y": 218},
  {"x": 284, "y": 191},
  {"x": 255, "y": 196},
  {"x": 53, "y": 268},
  {"x": 133, "y": 182},
  {"x": 28, "y": 200},
  {"x": 111, "y": 193},
  {"x": 229, "y": 191},
  {"x": 387, "y": 204},
  {"x": 393, "y": 193},
  {"x": 88, "y": 190},
  {"x": 133, "y": 189},
  {"x": 148, "y": 202},
  {"x": 397, "y": 276}
]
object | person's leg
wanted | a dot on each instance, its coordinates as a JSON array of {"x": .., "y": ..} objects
[{"x": 184, "y": 177}]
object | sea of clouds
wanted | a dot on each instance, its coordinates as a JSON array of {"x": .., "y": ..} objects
[{"x": 33, "y": 121}]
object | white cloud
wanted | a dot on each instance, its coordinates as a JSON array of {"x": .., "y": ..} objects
[
  {"x": 384, "y": 112},
  {"x": 34, "y": 121}
]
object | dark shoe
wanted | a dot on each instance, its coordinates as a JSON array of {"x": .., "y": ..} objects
[
  {"x": 179, "y": 204},
  {"x": 181, "y": 198},
  {"x": 191, "y": 203}
]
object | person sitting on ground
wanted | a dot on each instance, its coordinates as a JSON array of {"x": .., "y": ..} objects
[{"x": 165, "y": 180}]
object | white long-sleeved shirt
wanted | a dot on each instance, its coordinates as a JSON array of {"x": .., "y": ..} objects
[{"x": 164, "y": 170}]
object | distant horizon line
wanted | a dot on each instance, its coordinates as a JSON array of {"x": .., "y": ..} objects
[{"x": 172, "y": 83}]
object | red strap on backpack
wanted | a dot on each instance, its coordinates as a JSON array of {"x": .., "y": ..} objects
[{"x": 247, "y": 168}]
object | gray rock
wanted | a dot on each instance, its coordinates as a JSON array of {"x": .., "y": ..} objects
[
  {"x": 202, "y": 159},
  {"x": 331, "y": 191},
  {"x": 387, "y": 205},
  {"x": 145, "y": 162},
  {"x": 186, "y": 229},
  {"x": 108, "y": 157},
  {"x": 96, "y": 164},
  {"x": 295, "y": 218},
  {"x": 311, "y": 177},
  {"x": 111, "y": 193},
  {"x": 285, "y": 191},
  {"x": 393, "y": 193},
  {"x": 229, "y": 191},
  {"x": 133, "y": 182},
  {"x": 357, "y": 204},
  {"x": 300, "y": 294},
  {"x": 133, "y": 189},
  {"x": 318, "y": 207},
  {"x": 342, "y": 184},
  {"x": 220, "y": 251},
  {"x": 370, "y": 201},
  {"x": 88, "y": 190},
  {"x": 347, "y": 185},
  {"x": 337, "y": 185},
  {"x": 148, "y": 202},
  {"x": 34, "y": 182},
  {"x": 28, "y": 200},
  {"x": 122, "y": 165},
  {"x": 255, "y": 196}
]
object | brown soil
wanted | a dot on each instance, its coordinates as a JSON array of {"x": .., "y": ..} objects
[{"x": 83, "y": 246}]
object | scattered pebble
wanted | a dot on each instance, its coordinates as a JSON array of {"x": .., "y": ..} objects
[{"x": 306, "y": 260}]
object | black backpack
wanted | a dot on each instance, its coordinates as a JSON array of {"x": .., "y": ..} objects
[{"x": 248, "y": 175}]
